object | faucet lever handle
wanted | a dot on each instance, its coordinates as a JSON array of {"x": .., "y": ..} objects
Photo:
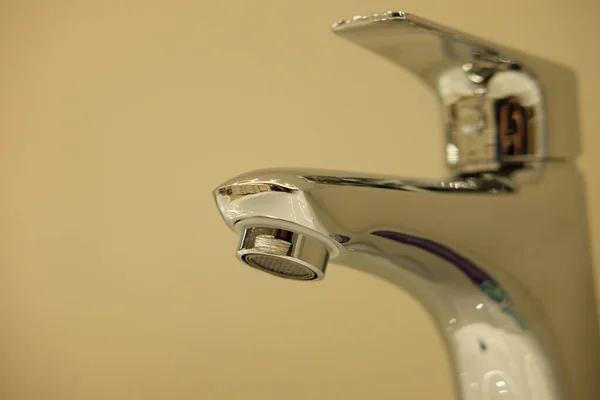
[{"x": 502, "y": 109}]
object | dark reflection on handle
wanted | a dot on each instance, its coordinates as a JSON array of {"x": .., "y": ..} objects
[{"x": 513, "y": 122}]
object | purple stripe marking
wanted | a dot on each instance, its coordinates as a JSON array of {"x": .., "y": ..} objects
[{"x": 466, "y": 266}]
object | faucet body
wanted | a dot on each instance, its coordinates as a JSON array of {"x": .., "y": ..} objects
[
  {"x": 498, "y": 253},
  {"x": 503, "y": 267}
]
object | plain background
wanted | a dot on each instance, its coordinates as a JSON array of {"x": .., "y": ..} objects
[{"x": 117, "y": 119}]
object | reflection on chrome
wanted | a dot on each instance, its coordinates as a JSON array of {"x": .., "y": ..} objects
[{"x": 497, "y": 253}]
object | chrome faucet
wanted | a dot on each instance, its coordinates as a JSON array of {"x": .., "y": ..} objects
[{"x": 497, "y": 253}]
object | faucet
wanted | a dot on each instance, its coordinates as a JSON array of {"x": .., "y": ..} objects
[{"x": 497, "y": 252}]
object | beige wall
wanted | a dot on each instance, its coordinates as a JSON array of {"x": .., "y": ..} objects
[{"x": 117, "y": 118}]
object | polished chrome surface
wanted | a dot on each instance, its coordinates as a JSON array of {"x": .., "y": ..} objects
[
  {"x": 500, "y": 107},
  {"x": 283, "y": 253},
  {"x": 498, "y": 253}
]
